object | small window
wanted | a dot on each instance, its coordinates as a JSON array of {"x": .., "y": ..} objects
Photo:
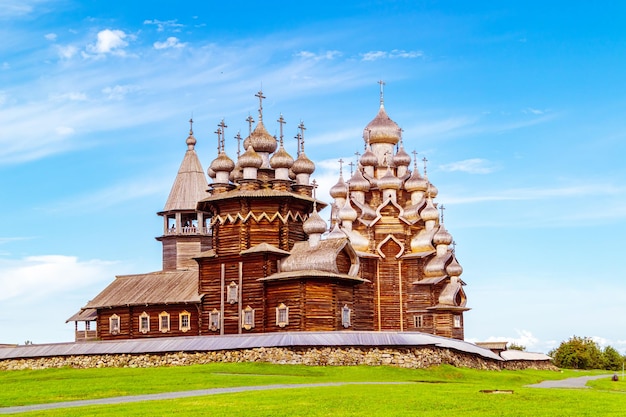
[
  {"x": 282, "y": 315},
  {"x": 418, "y": 321},
  {"x": 144, "y": 323},
  {"x": 247, "y": 321},
  {"x": 345, "y": 316},
  {"x": 184, "y": 320},
  {"x": 114, "y": 324},
  {"x": 457, "y": 321},
  {"x": 214, "y": 320},
  {"x": 164, "y": 322},
  {"x": 233, "y": 293}
]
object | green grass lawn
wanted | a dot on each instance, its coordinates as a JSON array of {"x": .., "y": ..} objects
[{"x": 440, "y": 391}]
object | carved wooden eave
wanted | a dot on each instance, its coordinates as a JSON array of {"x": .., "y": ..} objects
[
  {"x": 443, "y": 307},
  {"x": 208, "y": 204},
  {"x": 221, "y": 219},
  {"x": 312, "y": 273},
  {"x": 430, "y": 281},
  {"x": 414, "y": 255},
  {"x": 206, "y": 254}
]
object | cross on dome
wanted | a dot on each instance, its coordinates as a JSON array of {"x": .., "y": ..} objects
[
  {"x": 238, "y": 138},
  {"x": 282, "y": 121},
  {"x": 261, "y": 97},
  {"x": 442, "y": 208},
  {"x": 250, "y": 120},
  {"x": 425, "y": 160},
  {"x": 223, "y": 127},
  {"x": 340, "y": 167},
  {"x": 382, "y": 92},
  {"x": 351, "y": 167},
  {"x": 191, "y": 126}
]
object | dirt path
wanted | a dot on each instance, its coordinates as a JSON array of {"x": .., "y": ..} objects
[
  {"x": 579, "y": 382},
  {"x": 172, "y": 395}
]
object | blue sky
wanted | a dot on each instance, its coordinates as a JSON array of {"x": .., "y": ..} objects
[{"x": 518, "y": 106}]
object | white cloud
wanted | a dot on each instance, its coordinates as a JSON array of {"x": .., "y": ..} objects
[
  {"x": 118, "y": 92},
  {"x": 471, "y": 166},
  {"x": 51, "y": 36},
  {"x": 523, "y": 338},
  {"x": 162, "y": 24},
  {"x": 171, "y": 42},
  {"x": 67, "y": 51},
  {"x": 109, "y": 42},
  {"x": 534, "y": 111},
  {"x": 71, "y": 96},
  {"x": 394, "y": 53},
  {"x": 64, "y": 130},
  {"x": 13, "y": 8},
  {"x": 40, "y": 277},
  {"x": 328, "y": 55}
]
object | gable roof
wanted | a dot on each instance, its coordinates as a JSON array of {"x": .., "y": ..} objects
[{"x": 163, "y": 287}]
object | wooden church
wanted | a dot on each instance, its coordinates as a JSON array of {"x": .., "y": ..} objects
[{"x": 249, "y": 253}]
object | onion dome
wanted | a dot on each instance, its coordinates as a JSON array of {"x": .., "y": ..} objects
[
  {"x": 432, "y": 190},
  {"x": 429, "y": 212},
  {"x": 210, "y": 173},
  {"x": 369, "y": 158},
  {"x": 347, "y": 213},
  {"x": 261, "y": 140},
  {"x": 442, "y": 237},
  {"x": 382, "y": 129},
  {"x": 336, "y": 233},
  {"x": 358, "y": 182},
  {"x": 250, "y": 159},
  {"x": 237, "y": 173},
  {"x": 281, "y": 159},
  {"x": 303, "y": 165},
  {"x": 401, "y": 158},
  {"x": 389, "y": 181},
  {"x": 191, "y": 141},
  {"x": 339, "y": 190},
  {"x": 222, "y": 163},
  {"x": 314, "y": 224},
  {"x": 416, "y": 182},
  {"x": 454, "y": 269}
]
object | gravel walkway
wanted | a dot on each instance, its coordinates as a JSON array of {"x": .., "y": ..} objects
[
  {"x": 579, "y": 382},
  {"x": 172, "y": 395}
]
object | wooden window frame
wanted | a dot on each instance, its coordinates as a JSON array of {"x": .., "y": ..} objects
[
  {"x": 247, "y": 318},
  {"x": 162, "y": 315},
  {"x": 456, "y": 321},
  {"x": 232, "y": 293},
  {"x": 215, "y": 320},
  {"x": 144, "y": 329},
  {"x": 187, "y": 315},
  {"x": 346, "y": 316},
  {"x": 115, "y": 324},
  {"x": 282, "y": 315},
  {"x": 418, "y": 321}
]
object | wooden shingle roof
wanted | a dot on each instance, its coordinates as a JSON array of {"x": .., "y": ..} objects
[
  {"x": 190, "y": 185},
  {"x": 163, "y": 287}
]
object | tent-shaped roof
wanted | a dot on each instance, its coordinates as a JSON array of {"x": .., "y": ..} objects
[{"x": 190, "y": 185}]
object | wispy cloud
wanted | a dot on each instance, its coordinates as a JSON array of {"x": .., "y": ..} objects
[
  {"x": 471, "y": 166},
  {"x": 51, "y": 36},
  {"x": 318, "y": 56},
  {"x": 393, "y": 54},
  {"x": 118, "y": 92},
  {"x": 538, "y": 193},
  {"x": 164, "y": 24},
  {"x": 29, "y": 278},
  {"x": 171, "y": 42}
]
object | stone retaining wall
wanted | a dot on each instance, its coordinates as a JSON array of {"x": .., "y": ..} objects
[{"x": 329, "y": 356}]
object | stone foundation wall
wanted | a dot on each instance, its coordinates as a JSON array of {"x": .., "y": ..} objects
[{"x": 329, "y": 356}]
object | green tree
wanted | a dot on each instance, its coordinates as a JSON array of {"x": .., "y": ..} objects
[
  {"x": 612, "y": 359},
  {"x": 515, "y": 346},
  {"x": 578, "y": 353}
]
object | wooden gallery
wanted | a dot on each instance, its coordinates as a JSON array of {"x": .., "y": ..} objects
[{"x": 249, "y": 253}]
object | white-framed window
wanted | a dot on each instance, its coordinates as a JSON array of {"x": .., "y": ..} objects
[
  {"x": 114, "y": 324},
  {"x": 164, "y": 322},
  {"x": 457, "y": 321},
  {"x": 247, "y": 320},
  {"x": 144, "y": 323},
  {"x": 233, "y": 293},
  {"x": 214, "y": 320},
  {"x": 346, "y": 319},
  {"x": 184, "y": 321},
  {"x": 418, "y": 321},
  {"x": 282, "y": 315}
]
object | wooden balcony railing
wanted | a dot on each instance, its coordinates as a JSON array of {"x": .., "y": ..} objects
[{"x": 188, "y": 230}]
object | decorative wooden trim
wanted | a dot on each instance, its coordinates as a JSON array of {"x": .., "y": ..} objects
[
  {"x": 286, "y": 218},
  {"x": 181, "y": 325},
  {"x": 382, "y": 243},
  {"x": 144, "y": 329}
]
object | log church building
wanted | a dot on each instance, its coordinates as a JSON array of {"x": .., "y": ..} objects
[{"x": 249, "y": 253}]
